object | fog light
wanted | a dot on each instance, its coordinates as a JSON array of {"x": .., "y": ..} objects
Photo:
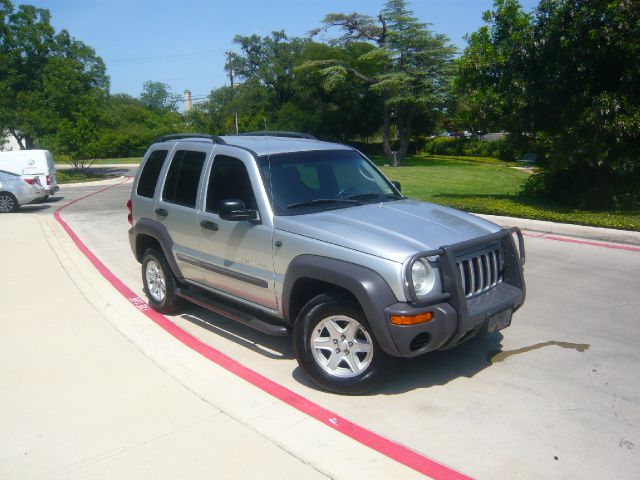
[{"x": 411, "y": 319}]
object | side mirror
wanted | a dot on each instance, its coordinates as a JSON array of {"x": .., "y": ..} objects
[
  {"x": 235, "y": 211},
  {"x": 396, "y": 184}
]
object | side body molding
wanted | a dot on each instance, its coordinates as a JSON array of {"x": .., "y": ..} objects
[
  {"x": 159, "y": 232},
  {"x": 368, "y": 287}
]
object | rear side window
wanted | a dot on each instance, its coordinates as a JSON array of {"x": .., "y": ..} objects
[
  {"x": 150, "y": 173},
  {"x": 181, "y": 185},
  {"x": 229, "y": 180}
]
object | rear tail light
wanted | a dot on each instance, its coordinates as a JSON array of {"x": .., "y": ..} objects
[
  {"x": 30, "y": 181},
  {"x": 130, "y": 216},
  {"x": 48, "y": 179}
]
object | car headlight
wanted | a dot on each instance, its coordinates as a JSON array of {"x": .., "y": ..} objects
[{"x": 423, "y": 277}]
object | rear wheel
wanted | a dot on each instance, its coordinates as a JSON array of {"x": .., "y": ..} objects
[
  {"x": 336, "y": 348},
  {"x": 159, "y": 283},
  {"x": 8, "y": 203}
]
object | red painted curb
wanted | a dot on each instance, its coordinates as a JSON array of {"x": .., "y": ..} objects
[
  {"x": 380, "y": 444},
  {"x": 585, "y": 242}
]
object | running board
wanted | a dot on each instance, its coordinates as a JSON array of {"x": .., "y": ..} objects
[{"x": 232, "y": 313}]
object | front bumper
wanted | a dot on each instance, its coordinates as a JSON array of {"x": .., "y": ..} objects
[{"x": 456, "y": 318}]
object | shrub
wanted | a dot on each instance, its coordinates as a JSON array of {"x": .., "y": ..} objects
[{"x": 470, "y": 147}]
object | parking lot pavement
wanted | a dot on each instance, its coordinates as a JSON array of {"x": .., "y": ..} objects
[
  {"x": 553, "y": 396},
  {"x": 89, "y": 389}
]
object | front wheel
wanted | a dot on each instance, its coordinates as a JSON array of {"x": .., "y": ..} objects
[{"x": 336, "y": 348}]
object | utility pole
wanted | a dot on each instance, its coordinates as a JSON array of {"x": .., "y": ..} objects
[{"x": 231, "y": 72}]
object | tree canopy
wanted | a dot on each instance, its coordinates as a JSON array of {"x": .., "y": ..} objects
[
  {"x": 566, "y": 77},
  {"x": 408, "y": 66},
  {"x": 157, "y": 96},
  {"x": 48, "y": 81}
]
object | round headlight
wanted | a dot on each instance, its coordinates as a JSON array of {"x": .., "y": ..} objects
[{"x": 423, "y": 277}]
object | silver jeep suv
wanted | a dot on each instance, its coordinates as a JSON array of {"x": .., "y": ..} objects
[{"x": 288, "y": 234}]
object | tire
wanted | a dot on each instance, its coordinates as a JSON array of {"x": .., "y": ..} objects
[
  {"x": 8, "y": 203},
  {"x": 346, "y": 358},
  {"x": 159, "y": 283}
]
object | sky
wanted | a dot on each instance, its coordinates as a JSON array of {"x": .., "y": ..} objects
[{"x": 183, "y": 44}]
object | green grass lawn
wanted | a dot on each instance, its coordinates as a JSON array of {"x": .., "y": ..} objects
[
  {"x": 69, "y": 176},
  {"x": 487, "y": 187}
]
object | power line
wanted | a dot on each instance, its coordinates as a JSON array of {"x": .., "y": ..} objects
[
  {"x": 161, "y": 57},
  {"x": 172, "y": 79}
]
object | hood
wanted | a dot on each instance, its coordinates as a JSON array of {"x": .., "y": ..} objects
[{"x": 393, "y": 230}]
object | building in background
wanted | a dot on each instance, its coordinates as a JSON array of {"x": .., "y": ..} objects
[{"x": 187, "y": 100}]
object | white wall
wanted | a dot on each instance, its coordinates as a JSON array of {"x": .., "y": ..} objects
[{"x": 8, "y": 143}]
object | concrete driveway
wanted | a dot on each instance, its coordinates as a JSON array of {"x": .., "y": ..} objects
[{"x": 554, "y": 396}]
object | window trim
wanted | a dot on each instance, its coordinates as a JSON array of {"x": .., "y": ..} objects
[
  {"x": 159, "y": 178},
  {"x": 205, "y": 191},
  {"x": 184, "y": 148}
]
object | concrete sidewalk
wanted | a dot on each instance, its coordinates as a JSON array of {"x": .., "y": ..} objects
[
  {"x": 570, "y": 230},
  {"x": 90, "y": 388}
]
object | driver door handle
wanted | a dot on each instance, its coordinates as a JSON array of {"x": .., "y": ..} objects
[{"x": 209, "y": 225}]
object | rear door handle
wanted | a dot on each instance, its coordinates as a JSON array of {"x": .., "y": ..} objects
[
  {"x": 209, "y": 225},
  {"x": 161, "y": 212}
]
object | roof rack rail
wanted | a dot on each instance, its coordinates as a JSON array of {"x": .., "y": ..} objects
[
  {"x": 268, "y": 133},
  {"x": 180, "y": 136}
]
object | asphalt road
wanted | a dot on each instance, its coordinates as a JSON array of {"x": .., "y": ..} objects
[{"x": 553, "y": 396}]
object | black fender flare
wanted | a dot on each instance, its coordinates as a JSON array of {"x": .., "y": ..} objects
[
  {"x": 367, "y": 286},
  {"x": 159, "y": 232}
]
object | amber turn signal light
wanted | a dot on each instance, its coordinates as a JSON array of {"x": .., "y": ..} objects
[{"x": 411, "y": 319}]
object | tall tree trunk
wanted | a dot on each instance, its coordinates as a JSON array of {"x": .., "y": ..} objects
[
  {"x": 386, "y": 140},
  {"x": 19, "y": 139},
  {"x": 405, "y": 124}
]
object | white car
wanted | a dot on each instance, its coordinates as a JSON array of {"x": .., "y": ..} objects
[{"x": 17, "y": 190}]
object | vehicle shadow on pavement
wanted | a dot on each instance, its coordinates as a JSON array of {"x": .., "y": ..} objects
[
  {"x": 439, "y": 368},
  {"x": 275, "y": 348},
  {"x": 432, "y": 369},
  {"x": 111, "y": 171},
  {"x": 435, "y": 368},
  {"x": 36, "y": 207}
]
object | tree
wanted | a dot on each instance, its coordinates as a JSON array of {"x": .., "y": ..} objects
[
  {"x": 585, "y": 97},
  {"x": 271, "y": 92},
  {"x": 566, "y": 76},
  {"x": 492, "y": 72},
  {"x": 268, "y": 62},
  {"x": 46, "y": 79},
  {"x": 157, "y": 96},
  {"x": 409, "y": 67}
]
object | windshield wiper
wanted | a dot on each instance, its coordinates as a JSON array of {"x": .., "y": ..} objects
[
  {"x": 322, "y": 201},
  {"x": 363, "y": 196}
]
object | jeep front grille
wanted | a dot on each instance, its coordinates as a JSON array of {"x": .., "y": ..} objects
[{"x": 480, "y": 271}]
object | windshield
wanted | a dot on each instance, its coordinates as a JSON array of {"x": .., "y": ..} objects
[{"x": 302, "y": 182}]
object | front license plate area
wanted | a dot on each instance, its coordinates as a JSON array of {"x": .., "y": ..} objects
[{"x": 499, "y": 320}]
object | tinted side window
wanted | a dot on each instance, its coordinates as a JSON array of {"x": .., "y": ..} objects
[
  {"x": 229, "y": 179},
  {"x": 181, "y": 185},
  {"x": 150, "y": 173}
]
